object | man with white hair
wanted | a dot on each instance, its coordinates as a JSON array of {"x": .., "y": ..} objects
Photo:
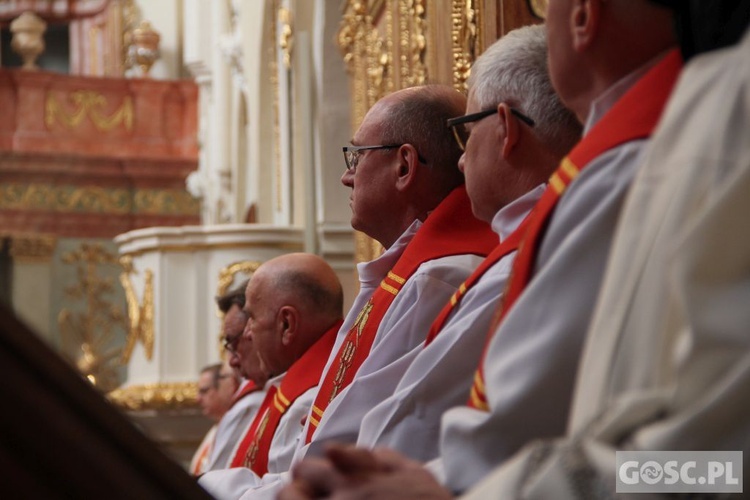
[{"x": 514, "y": 133}]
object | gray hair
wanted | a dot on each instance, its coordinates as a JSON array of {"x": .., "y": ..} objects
[{"x": 514, "y": 70}]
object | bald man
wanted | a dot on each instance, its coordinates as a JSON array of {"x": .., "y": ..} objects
[{"x": 294, "y": 309}]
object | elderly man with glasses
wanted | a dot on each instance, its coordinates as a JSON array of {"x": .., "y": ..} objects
[
  {"x": 215, "y": 390},
  {"x": 293, "y": 309},
  {"x": 243, "y": 359}
]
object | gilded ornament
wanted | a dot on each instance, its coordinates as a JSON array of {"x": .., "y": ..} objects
[
  {"x": 87, "y": 336},
  {"x": 88, "y": 103},
  {"x": 465, "y": 38},
  {"x": 140, "y": 315},
  {"x": 413, "y": 44},
  {"x": 165, "y": 202},
  {"x": 286, "y": 37},
  {"x": 32, "y": 247},
  {"x": 94, "y": 199},
  {"x": 162, "y": 396},
  {"x": 228, "y": 273},
  {"x": 144, "y": 50}
]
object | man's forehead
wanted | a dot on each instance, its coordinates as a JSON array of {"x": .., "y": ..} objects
[{"x": 372, "y": 123}]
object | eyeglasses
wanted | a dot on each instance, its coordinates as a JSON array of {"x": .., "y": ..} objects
[
  {"x": 230, "y": 343},
  {"x": 462, "y": 135},
  {"x": 352, "y": 154}
]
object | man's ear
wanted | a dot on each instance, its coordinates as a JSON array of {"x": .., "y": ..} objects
[
  {"x": 288, "y": 320},
  {"x": 408, "y": 163},
  {"x": 584, "y": 19},
  {"x": 510, "y": 126}
]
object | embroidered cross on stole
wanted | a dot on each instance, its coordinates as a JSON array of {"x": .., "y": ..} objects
[
  {"x": 633, "y": 117},
  {"x": 507, "y": 246},
  {"x": 451, "y": 229},
  {"x": 303, "y": 375}
]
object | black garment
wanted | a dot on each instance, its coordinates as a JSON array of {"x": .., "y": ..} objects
[{"x": 704, "y": 25}]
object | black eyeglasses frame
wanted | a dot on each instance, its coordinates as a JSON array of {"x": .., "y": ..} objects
[{"x": 473, "y": 117}]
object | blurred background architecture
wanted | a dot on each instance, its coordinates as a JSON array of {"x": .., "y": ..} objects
[{"x": 153, "y": 153}]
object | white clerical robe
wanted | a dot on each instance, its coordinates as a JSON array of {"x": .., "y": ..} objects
[
  {"x": 532, "y": 359},
  {"x": 442, "y": 372},
  {"x": 402, "y": 329},
  {"x": 221, "y": 483},
  {"x": 407, "y": 319},
  {"x": 667, "y": 358},
  {"x": 198, "y": 464},
  {"x": 232, "y": 427}
]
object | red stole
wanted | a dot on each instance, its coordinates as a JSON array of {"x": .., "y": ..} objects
[
  {"x": 632, "y": 117},
  {"x": 248, "y": 388},
  {"x": 303, "y": 375},
  {"x": 507, "y": 246},
  {"x": 451, "y": 229}
]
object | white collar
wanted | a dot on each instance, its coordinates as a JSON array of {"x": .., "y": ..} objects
[
  {"x": 602, "y": 104},
  {"x": 508, "y": 218},
  {"x": 372, "y": 273}
]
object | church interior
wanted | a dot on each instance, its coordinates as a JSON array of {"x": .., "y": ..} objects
[{"x": 153, "y": 154}]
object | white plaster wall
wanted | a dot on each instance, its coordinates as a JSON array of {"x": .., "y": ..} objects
[
  {"x": 186, "y": 262},
  {"x": 333, "y": 128},
  {"x": 256, "y": 29}
]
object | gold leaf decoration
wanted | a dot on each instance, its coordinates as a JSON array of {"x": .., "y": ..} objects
[
  {"x": 88, "y": 103},
  {"x": 140, "y": 315},
  {"x": 161, "y": 396},
  {"x": 87, "y": 336}
]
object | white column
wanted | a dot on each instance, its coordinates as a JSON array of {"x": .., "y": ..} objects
[{"x": 218, "y": 133}]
